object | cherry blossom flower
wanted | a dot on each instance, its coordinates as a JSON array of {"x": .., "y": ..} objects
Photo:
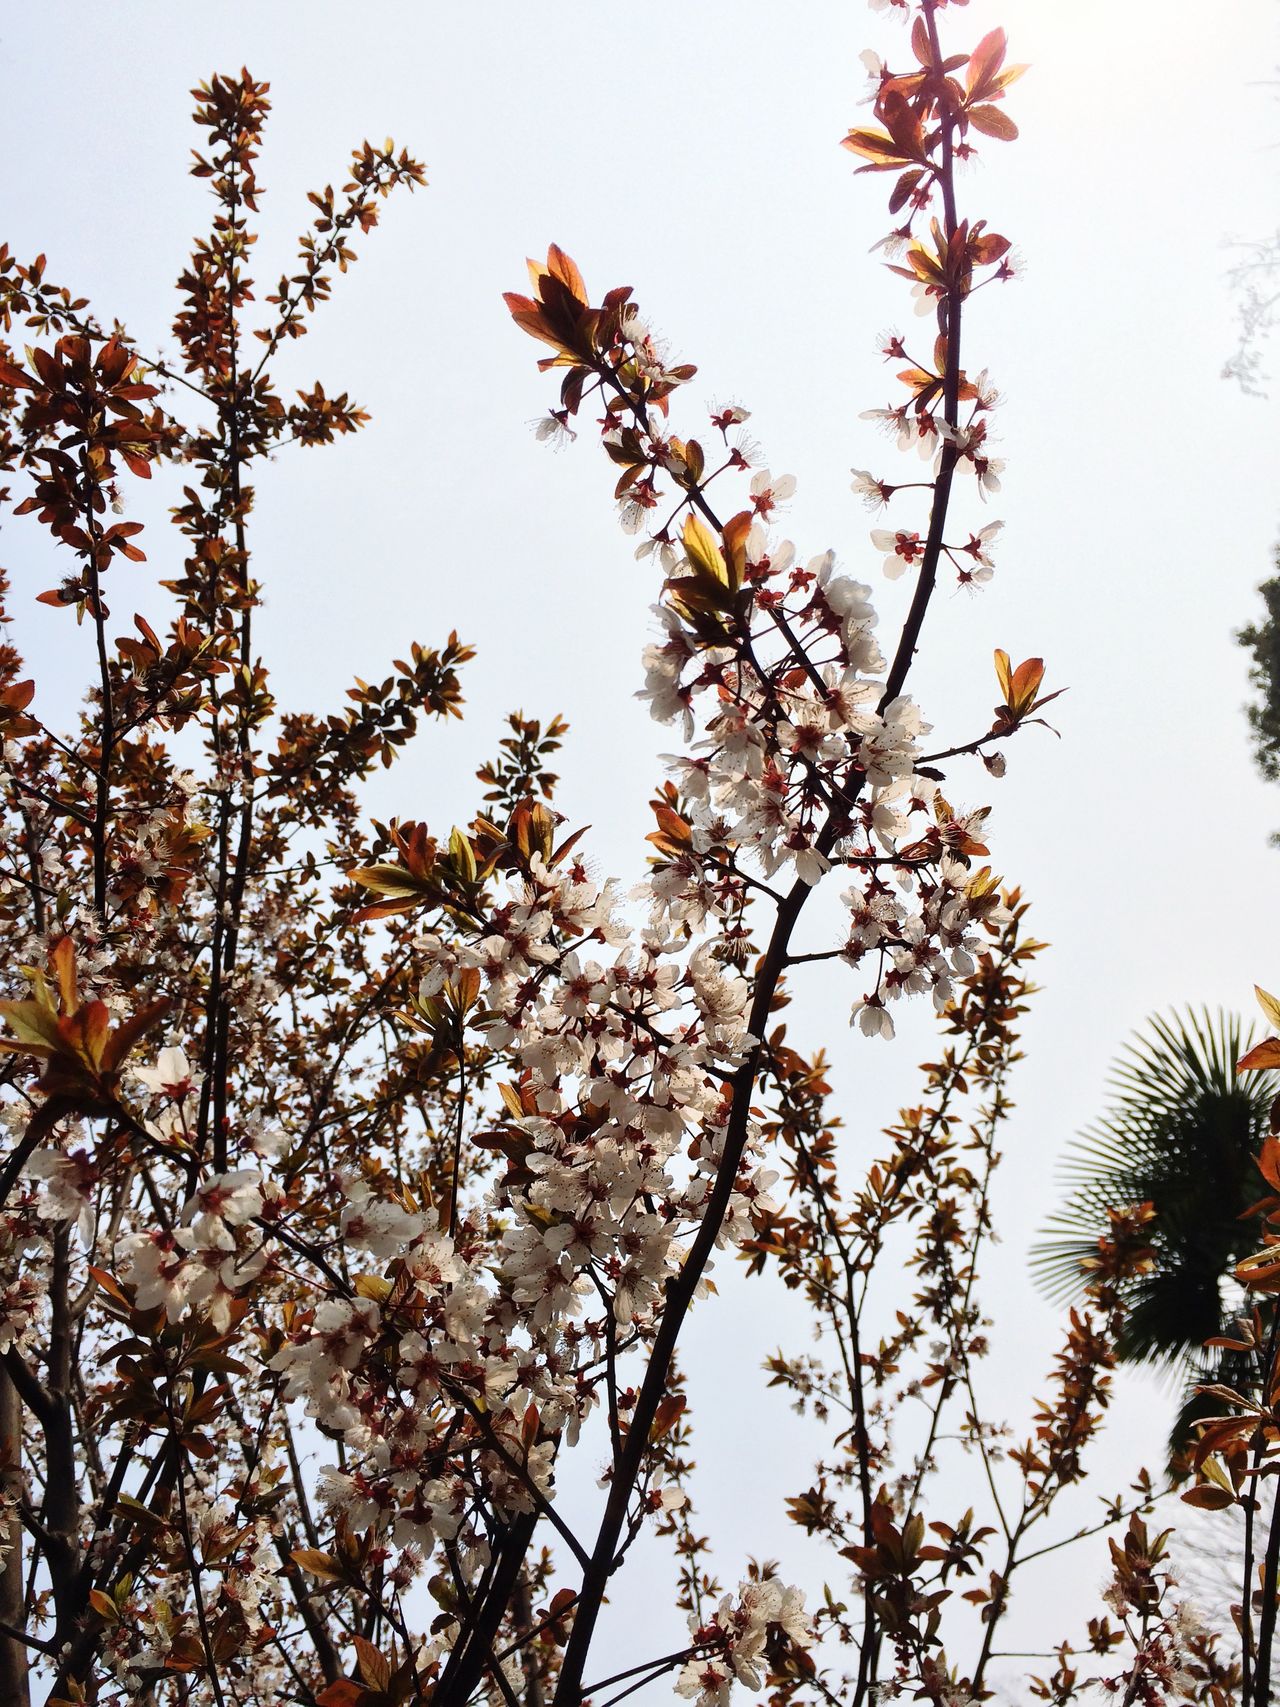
[
  {"x": 156, "y": 1265},
  {"x": 171, "y": 1077},
  {"x": 872, "y": 1018},
  {"x": 232, "y": 1198},
  {"x": 979, "y": 549},
  {"x": 69, "y": 1183},
  {"x": 377, "y": 1225},
  {"x": 554, "y": 429},
  {"x": 768, "y": 491},
  {"x": 902, "y": 550},
  {"x": 874, "y": 493}
]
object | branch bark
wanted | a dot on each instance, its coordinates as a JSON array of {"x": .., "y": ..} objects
[{"x": 15, "y": 1688}]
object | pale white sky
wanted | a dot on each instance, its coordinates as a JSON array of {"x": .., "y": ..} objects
[{"x": 691, "y": 150}]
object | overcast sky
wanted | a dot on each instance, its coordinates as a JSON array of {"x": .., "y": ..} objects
[{"x": 691, "y": 150}]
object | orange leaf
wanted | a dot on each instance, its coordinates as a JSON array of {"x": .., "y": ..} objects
[
  {"x": 14, "y": 377},
  {"x": 1003, "y": 673},
  {"x": 104, "y": 1606},
  {"x": 109, "y": 1284},
  {"x": 561, "y": 267},
  {"x": 1261, "y": 1055},
  {"x": 62, "y": 963},
  {"x": 734, "y": 533},
  {"x": 344, "y": 1693},
  {"x": 126, "y": 1035},
  {"x": 186, "y": 1653},
  {"x": 991, "y": 121},
  {"x": 672, "y": 834},
  {"x": 874, "y": 145},
  {"x": 667, "y": 1415},
  {"x": 322, "y": 1565},
  {"x": 1208, "y": 1498},
  {"x": 1269, "y": 1162},
  {"x": 375, "y": 1668},
  {"x": 704, "y": 550},
  {"x": 1026, "y": 685},
  {"x": 986, "y": 59},
  {"x": 988, "y": 248},
  {"x": 529, "y": 315}
]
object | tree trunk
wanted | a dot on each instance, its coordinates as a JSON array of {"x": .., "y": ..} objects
[{"x": 14, "y": 1684}]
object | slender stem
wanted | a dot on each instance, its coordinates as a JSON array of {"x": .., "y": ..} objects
[
  {"x": 851, "y": 1358},
  {"x": 521, "y": 1472},
  {"x": 1267, "y": 1618},
  {"x": 950, "y": 316},
  {"x": 456, "y": 1191},
  {"x": 25, "y": 1637},
  {"x": 1093, "y": 1529},
  {"x": 522, "y": 1613},
  {"x": 1250, "y": 1671},
  {"x": 106, "y": 741},
  {"x": 197, "y": 1594},
  {"x": 663, "y": 1664}
]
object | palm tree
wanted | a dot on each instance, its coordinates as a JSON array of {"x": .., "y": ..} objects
[{"x": 1182, "y": 1133}]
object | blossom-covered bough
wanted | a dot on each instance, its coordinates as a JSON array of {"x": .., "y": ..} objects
[{"x": 371, "y": 1172}]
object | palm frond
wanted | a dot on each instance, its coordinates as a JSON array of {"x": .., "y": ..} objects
[{"x": 1182, "y": 1133}]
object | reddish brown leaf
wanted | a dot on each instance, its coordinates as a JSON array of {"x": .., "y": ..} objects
[
  {"x": 992, "y": 121},
  {"x": 986, "y": 60}
]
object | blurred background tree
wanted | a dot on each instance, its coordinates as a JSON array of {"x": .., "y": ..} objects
[
  {"x": 1182, "y": 1132},
  {"x": 1262, "y": 640}
]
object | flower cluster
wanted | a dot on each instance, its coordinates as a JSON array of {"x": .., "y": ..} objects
[{"x": 733, "y": 1642}]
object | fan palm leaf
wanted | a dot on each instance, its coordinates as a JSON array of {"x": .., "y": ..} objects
[{"x": 1182, "y": 1132}]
